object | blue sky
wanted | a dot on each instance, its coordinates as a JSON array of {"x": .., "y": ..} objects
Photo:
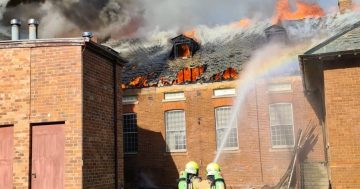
[{"x": 328, "y": 3}]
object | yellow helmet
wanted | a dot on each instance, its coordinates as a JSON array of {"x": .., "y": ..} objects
[
  {"x": 213, "y": 168},
  {"x": 192, "y": 167}
]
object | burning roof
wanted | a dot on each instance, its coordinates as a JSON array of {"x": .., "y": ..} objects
[{"x": 150, "y": 65}]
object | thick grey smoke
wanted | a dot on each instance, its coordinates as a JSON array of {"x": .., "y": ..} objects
[
  {"x": 70, "y": 17},
  {"x": 131, "y": 18}
]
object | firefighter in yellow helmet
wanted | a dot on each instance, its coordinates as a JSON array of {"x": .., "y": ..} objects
[
  {"x": 189, "y": 178},
  {"x": 214, "y": 177}
]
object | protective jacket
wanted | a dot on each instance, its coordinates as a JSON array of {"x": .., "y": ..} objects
[
  {"x": 188, "y": 181},
  {"x": 217, "y": 181}
]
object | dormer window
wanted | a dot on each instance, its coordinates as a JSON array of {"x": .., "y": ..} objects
[
  {"x": 183, "y": 47},
  {"x": 183, "y": 51}
]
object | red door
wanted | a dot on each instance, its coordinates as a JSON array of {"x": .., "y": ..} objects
[
  {"x": 47, "y": 157},
  {"x": 6, "y": 157}
]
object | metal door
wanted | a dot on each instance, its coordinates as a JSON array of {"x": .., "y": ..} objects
[
  {"x": 6, "y": 157},
  {"x": 47, "y": 157}
]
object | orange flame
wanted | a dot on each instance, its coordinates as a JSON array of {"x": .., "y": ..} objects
[
  {"x": 192, "y": 34},
  {"x": 189, "y": 74},
  {"x": 243, "y": 23},
  {"x": 302, "y": 10},
  {"x": 184, "y": 51},
  {"x": 229, "y": 73},
  {"x": 139, "y": 81}
]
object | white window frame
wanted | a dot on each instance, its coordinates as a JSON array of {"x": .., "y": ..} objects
[
  {"x": 174, "y": 96},
  {"x": 292, "y": 119},
  {"x": 225, "y": 92},
  {"x": 128, "y": 101},
  {"x": 166, "y": 131},
  {"x": 137, "y": 133},
  {"x": 217, "y": 128},
  {"x": 282, "y": 87}
]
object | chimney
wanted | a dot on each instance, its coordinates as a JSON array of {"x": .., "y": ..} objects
[
  {"x": 33, "y": 24},
  {"x": 87, "y": 35},
  {"x": 15, "y": 29},
  {"x": 345, "y": 5}
]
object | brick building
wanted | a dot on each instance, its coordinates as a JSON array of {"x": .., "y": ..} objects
[
  {"x": 331, "y": 73},
  {"x": 177, "y": 105},
  {"x": 58, "y": 114}
]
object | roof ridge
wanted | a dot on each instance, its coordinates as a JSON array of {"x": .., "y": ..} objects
[{"x": 331, "y": 39}]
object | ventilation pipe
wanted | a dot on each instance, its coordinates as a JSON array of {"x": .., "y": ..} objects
[
  {"x": 33, "y": 24},
  {"x": 87, "y": 35},
  {"x": 15, "y": 29}
]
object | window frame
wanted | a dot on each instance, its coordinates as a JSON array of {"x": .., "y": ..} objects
[
  {"x": 137, "y": 134},
  {"x": 292, "y": 122},
  {"x": 166, "y": 132},
  {"x": 174, "y": 99},
  {"x": 216, "y": 129},
  {"x": 274, "y": 90},
  {"x": 130, "y": 102},
  {"x": 225, "y": 95}
]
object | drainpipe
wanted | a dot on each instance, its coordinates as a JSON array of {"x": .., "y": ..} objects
[
  {"x": 15, "y": 29},
  {"x": 115, "y": 126},
  {"x": 33, "y": 24}
]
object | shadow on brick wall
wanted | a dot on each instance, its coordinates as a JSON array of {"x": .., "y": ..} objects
[{"x": 151, "y": 167}]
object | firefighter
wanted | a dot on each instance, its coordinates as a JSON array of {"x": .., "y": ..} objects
[
  {"x": 189, "y": 178},
  {"x": 214, "y": 177}
]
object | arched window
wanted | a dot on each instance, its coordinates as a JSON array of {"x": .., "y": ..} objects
[
  {"x": 281, "y": 125},
  {"x": 223, "y": 116},
  {"x": 175, "y": 130}
]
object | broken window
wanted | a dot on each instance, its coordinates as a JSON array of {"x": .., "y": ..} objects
[
  {"x": 130, "y": 133},
  {"x": 175, "y": 131},
  {"x": 223, "y": 116},
  {"x": 281, "y": 125},
  {"x": 183, "y": 51},
  {"x": 183, "y": 47}
]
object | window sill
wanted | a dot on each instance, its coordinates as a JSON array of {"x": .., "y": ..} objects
[
  {"x": 282, "y": 148},
  {"x": 175, "y": 100},
  {"x": 130, "y": 103},
  {"x": 130, "y": 154},
  {"x": 224, "y": 96},
  {"x": 229, "y": 150},
  {"x": 176, "y": 153},
  {"x": 279, "y": 92}
]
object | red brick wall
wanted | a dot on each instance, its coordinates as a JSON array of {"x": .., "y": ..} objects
[
  {"x": 342, "y": 92},
  {"x": 242, "y": 167},
  {"x": 98, "y": 129},
  {"x": 345, "y": 5},
  {"x": 42, "y": 84}
]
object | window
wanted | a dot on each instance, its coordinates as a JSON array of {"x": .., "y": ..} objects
[
  {"x": 174, "y": 96},
  {"x": 129, "y": 99},
  {"x": 222, "y": 116},
  {"x": 279, "y": 87},
  {"x": 224, "y": 92},
  {"x": 281, "y": 125},
  {"x": 130, "y": 133},
  {"x": 175, "y": 130}
]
